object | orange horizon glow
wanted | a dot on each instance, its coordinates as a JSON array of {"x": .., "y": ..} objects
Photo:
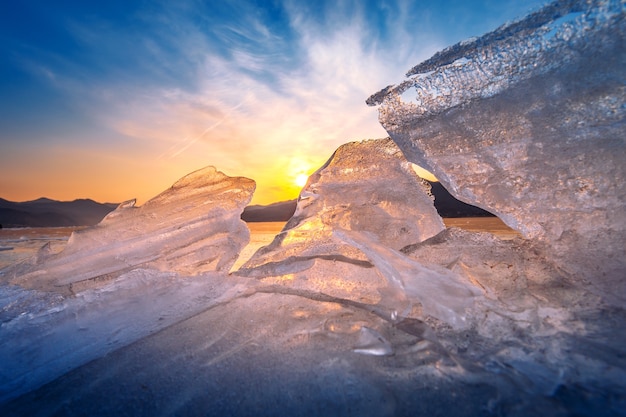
[
  {"x": 73, "y": 175},
  {"x": 112, "y": 111},
  {"x": 135, "y": 141}
]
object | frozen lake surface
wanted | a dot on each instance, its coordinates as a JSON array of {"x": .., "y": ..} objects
[
  {"x": 222, "y": 345},
  {"x": 21, "y": 243}
]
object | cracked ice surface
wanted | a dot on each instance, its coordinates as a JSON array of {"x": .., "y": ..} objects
[
  {"x": 288, "y": 351},
  {"x": 528, "y": 122},
  {"x": 192, "y": 227}
]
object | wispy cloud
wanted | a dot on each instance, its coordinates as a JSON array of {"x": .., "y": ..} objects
[
  {"x": 265, "y": 117},
  {"x": 263, "y": 93}
]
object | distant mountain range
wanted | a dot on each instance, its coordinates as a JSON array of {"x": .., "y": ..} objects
[
  {"x": 277, "y": 212},
  {"x": 448, "y": 206},
  {"x": 445, "y": 203},
  {"x": 50, "y": 213}
]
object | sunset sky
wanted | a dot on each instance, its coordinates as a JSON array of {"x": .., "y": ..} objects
[{"x": 113, "y": 100}]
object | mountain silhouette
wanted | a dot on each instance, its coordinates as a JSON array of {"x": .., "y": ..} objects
[
  {"x": 45, "y": 212},
  {"x": 445, "y": 203}
]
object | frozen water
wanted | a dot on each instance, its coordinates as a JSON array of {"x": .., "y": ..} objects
[
  {"x": 372, "y": 343},
  {"x": 128, "y": 276},
  {"x": 503, "y": 269},
  {"x": 364, "y": 304},
  {"x": 191, "y": 228},
  {"x": 290, "y": 352},
  {"x": 528, "y": 122},
  {"x": 442, "y": 293},
  {"x": 366, "y": 187},
  {"x": 521, "y": 290},
  {"x": 44, "y": 335},
  {"x": 157, "y": 343}
]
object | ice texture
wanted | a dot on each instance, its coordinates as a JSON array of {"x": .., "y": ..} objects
[
  {"x": 363, "y": 305},
  {"x": 191, "y": 228},
  {"x": 367, "y": 187},
  {"x": 279, "y": 351},
  {"x": 372, "y": 343},
  {"x": 517, "y": 283},
  {"x": 528, "y": 123},
  {"x": 442, "y": 293},
  {"x": 44, "y": 335}
]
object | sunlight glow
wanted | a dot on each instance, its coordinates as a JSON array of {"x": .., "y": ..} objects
[
  {"x": 301, "y": 180},
  {"x": 423, "y": 173}
]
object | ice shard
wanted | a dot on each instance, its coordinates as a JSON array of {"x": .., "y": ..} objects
[
  {"x": 442, "y": 293},
  {"x": 529, "y": 123},
  {"x": 372, "y": 343},
  {"x": 366, "y": 187},
  {"x": 44, "y": 334},
  {"x": 519, "y": 285},
  {"x": 192, "y": 227}
]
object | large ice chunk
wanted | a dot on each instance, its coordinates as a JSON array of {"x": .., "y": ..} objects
[
  {"x": 528, "y": 122},
  {"x": 367, "y": 187},
  {"x": 191, "y": 228}
]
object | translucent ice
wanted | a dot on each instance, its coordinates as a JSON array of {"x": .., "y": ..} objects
[
  {"x": 295, "y": 355},
  {"x": 442, "y": 293},
  {"x": 44, "y": 335},
  {"x": 192, "y": 227},
  {"x": 372, "y": 343},
  {"x": 365, "y": 186},
  {"x": 519, "y": 285},
  {"x": 528, "y": 122}
]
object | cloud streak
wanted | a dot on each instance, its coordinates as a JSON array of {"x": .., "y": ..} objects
[
  {"x": 282, "y": 119},
  {"x": 267, "y": 93}
]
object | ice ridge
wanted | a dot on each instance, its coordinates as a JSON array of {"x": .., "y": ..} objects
[
  {"x": 482, "y": 67},
  {"x": 191, "y": 228}
]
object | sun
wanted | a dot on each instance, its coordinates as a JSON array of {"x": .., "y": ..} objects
[{"x": 301, "y": 180}]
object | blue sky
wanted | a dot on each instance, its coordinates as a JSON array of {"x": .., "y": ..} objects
[{"x": 118, "y": 99}]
